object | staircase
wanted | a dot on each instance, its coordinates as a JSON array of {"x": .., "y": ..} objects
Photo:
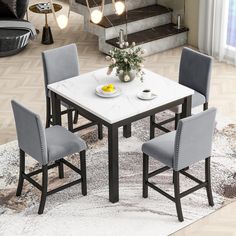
[{"x": 148, "y": 25}]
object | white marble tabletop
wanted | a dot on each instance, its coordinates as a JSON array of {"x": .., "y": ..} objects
[{"x": 81, "y": 91}]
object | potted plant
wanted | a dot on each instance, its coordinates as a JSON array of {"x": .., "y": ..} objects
[{"x": 128, "y": 62}]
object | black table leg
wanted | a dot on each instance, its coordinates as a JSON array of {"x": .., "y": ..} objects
[
  {"x": 127, "y": 131},
  {"x": 47, "y": 33},
  {"x": 56, "y": 109},
  {"x": 113, "y": 156},
  {"x": 187, "y": 107},
  {"x": 152, "y": 127},
  {"x": 47, "y": 36}
]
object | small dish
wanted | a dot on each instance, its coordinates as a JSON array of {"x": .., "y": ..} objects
[
  {"x": 140, "y": 96},
  {"x": 103, "y": 94},
  {"x": 109, "y": 93}
]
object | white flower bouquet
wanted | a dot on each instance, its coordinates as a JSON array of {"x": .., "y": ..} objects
[{"x": 127, "y": 62}]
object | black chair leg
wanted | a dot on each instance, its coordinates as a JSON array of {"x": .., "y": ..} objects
[
  {"x": 177, "y": 196},
  {"x": 70, "y": 120},
  {"x": 177, "y": 119},
  {"x": 100, "y": 131},
  {"x": 76, "y": 117},
  {"x": 185, "y": 169},
  {"x": 83, "y": 172},
  {"x": 44, "y": 189},
  {"x": 145, "y": 175},
  {"x": 208, "y": 180},
  {"x": 48, "y": 112},
  {"x": 152, "y": 127},
  {"x": 22, "y": 170},
  {"x": 205, "y": 106},
  {"x": 60, "y": 169}
]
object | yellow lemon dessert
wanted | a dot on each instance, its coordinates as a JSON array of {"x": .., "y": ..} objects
[{"x": 110, "y": 88}]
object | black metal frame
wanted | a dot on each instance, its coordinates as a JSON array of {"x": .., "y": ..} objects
[
  {"x": 177, "y": 195},
  {"x": 176, "y": 119},
  {"x": 44, "y": 170},
  {"x": 70, "y": 119},
  {"x": 113, "y": 153}
]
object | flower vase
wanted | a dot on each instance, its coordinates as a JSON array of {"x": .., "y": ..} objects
[{"x": 127, "y": 76}]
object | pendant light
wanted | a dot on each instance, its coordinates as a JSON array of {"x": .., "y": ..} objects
[
  {"x": 97, "y": 14},
  {"x": 119, "y": 7},
  {"x": 61, "y": 19}
]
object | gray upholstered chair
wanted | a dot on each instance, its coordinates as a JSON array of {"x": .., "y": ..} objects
[
  {"x": 60, "y": 64},
  {"x": 46, "y": 146},
  {"x": 195, "y": 73},
  {"x": 190, "y": 143}
]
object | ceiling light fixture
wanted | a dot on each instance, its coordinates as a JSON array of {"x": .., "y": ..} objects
[
  {"x": 97, "y": 14},
  {"x": 62, "y": 19},
  {"x": 119, "y": 7}
]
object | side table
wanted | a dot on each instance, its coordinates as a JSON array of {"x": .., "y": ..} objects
[{"x": 47, "y": 33}]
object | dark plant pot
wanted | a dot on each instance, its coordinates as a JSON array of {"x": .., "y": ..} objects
[{"x": 127, "y": 76}]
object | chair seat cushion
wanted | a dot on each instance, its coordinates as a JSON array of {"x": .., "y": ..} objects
[
  {"x": 197, "y": 100},
  {"x": 61, "y": 143},
  {"x": 161, "y": 148}
]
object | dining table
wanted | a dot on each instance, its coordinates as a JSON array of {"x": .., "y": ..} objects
[{"x": 120, "y": 111}]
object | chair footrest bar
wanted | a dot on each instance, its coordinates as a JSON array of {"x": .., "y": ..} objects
[
  {"x": 84, "y": 126},
  {"x": 27, "y": 177},
  {"x": 64, "y": 112},
  {"x": 161, "y": 128},
  {"x": 160, "y": 191},
  {"x": 64, "y": 187},
  {"x": 191, "y": 190},
  {"x": 166, "y": 121},
  {"x": 67, "y": 163},
  {"x": 191, "y": 177},
  {"x": 40, "y": 170},
  {"x": 159, "y": 171}
]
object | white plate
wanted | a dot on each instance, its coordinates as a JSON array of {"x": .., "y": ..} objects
[
  {"x": 140, "y": 96},
  {"x": 100, "y": 93}
]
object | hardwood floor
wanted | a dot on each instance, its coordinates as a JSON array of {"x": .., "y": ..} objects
[
  {"x": 21, "y": 78},
  {"x": 220, "y": 223}
]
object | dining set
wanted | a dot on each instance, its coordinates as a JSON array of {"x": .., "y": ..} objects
[{"x": 73, "y": 94}]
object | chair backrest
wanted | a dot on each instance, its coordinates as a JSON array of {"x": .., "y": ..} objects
[
  {"x": 21, "y": 8},
  {"x": 59, "y": 64},
  {"x": 30, "y": 133},
  {"x": 14, "y": 10},
  {"x": 193, "y": 141},
  {"x": 195, "y": 71}
]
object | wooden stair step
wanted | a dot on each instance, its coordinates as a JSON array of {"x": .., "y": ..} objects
[
  {"x": 134, "y": 15},
  {"x": 150, "y": 35}
]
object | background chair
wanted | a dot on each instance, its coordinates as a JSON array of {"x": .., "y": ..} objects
[
  {"x": 60, "y": 64},
  {"x": 195, "y": 73},
  {"x": 191, "y": 143},
  {"x": 14, "y": 31},
  {"x": 46, "y": 146}
]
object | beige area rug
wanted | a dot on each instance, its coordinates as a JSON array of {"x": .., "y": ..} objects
[{"x": 70, "y": 213}]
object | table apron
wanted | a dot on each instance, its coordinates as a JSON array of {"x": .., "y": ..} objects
[{"x": 93, "y": 117}]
